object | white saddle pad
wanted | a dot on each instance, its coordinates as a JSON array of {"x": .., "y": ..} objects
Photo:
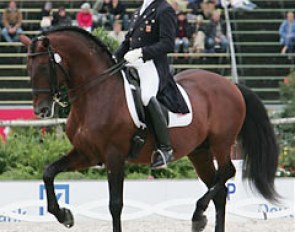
[{"x": 175, "y": 120}]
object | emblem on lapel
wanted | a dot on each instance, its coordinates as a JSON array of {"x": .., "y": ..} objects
[{"x": 148, "y": 28}]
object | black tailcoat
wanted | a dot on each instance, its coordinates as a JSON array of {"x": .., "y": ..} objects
[{"x": 154, "y": 31}]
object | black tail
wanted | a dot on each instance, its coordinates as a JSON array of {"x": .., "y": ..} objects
[{"x": 259, "y": 146}]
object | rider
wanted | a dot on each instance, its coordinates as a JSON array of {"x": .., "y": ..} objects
[{"x": 150, "y": 37}]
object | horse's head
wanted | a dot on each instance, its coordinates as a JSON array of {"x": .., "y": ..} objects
[
  {"x": 45, "y": 69},
  {"x": 66, "y": 56}
]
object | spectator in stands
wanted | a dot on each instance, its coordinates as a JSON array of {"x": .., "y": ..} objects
[
  {"x": 62, "y": 18},
  {"x": 101, "y": 12},
  {"x": 84, "y": 17},
  {"x": 117, "y": 11},
  {"x": 216, "y": 40},
  {"x": 178, "y": 5},
  {"x": 195, "y": 6},
  {"x": 208, "y": 7},
  {"x": 199, "y": 35},
  {"x": 117, "y": 32},
  {"x": 46, "y": 16},
  {"x": 175, "y": 6},
  {"x": 245, "y": 5},
  {"x": 287, "y": 33},
  {"x": 218, "y": 4},
  {"x": 97, "y": 5},
  {"x": 183, "y": 34},
  {"x": 12, "y": 20}
]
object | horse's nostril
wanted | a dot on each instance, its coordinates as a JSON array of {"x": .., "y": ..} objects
[{"x": 44, "y": 110}]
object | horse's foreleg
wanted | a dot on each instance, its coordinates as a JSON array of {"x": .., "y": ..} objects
[
  {"x": 62, "y": 215},
  {"x": 71, "y": 161},
  {"x": 115, "y": 168}
]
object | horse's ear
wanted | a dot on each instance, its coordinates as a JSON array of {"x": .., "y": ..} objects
[
  {"x": 45, "y": 42},
  {"x": 25, "y": 40}
]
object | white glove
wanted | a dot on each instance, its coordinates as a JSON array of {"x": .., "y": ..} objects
[{"x": 134, "y": 55}]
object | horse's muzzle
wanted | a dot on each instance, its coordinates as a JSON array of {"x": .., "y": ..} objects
[{"x": 44, "y": 110}]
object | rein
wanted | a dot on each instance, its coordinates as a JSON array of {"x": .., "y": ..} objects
[
  {"x": 54, "y": 62},
  {"x": 98, "y": 80}
]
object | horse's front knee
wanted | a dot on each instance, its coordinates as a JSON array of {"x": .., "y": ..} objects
[{"x": 48, "y": 174}]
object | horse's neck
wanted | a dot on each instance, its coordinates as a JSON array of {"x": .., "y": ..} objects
[
  {"x": 86, "y": 69},
  {"x": 98, "y": 95}
]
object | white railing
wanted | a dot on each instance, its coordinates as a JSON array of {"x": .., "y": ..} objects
[
  {"x": 32, "y": 123},
  {"x": 283, "y": 121},
  {"x": 57, "y": 121},
  {"x": 234, "y": 71}
]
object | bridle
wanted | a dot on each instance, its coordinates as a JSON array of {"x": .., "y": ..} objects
[{"x": 54, "y": 63}]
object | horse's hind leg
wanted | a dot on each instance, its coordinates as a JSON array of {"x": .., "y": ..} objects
[
  {"x": 215, "y": 181},
  {"x": 219, "y": 197},
  {"x": 226, "y": 170},
  {"x": 71, "y": 161},
  {"x": 203, "y": 163}
]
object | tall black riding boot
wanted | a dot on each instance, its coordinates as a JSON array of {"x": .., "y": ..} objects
[{"x": 164, "y": 152}]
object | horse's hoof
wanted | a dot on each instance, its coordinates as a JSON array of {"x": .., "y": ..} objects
[
  {"x": 199, "y": 224},
  {"x": 68, "y": 219}
]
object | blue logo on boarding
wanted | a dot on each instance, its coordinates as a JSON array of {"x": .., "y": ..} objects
[
  {"x": 62, "y": 192},
  {"x": 231, "y": 189}
]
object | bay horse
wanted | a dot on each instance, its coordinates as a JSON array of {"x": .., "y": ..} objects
[{"x": 100, "y": 127}]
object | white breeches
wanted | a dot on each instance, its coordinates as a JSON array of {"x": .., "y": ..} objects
[{"x": 149, "y": 79}]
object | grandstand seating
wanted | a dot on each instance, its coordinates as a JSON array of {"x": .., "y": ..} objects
[{"x": 260, "y": 64}]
